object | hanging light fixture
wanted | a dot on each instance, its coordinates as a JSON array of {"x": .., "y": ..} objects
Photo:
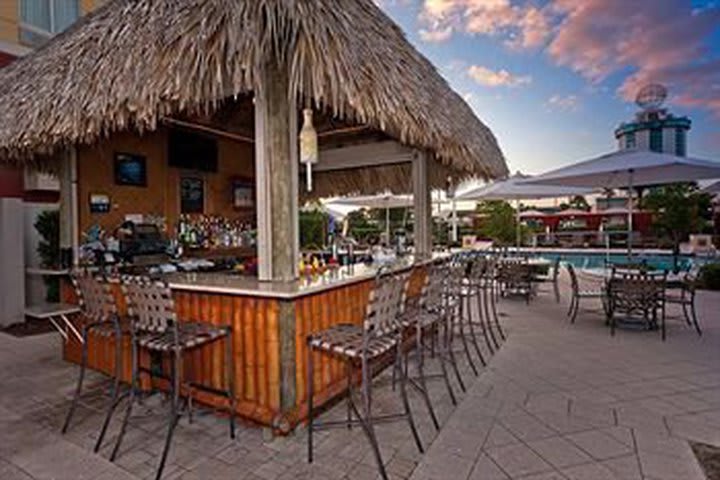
[{"x": 308, "y": 145}]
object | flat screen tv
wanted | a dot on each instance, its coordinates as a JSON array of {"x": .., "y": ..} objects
[
  {"x": 191, "y": 151},
  {"x": 130, "y": 169}
]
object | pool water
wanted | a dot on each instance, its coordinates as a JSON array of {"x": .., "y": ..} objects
[{"x": 584, "y": 260}]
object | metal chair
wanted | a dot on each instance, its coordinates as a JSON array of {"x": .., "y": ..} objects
[
  {"x": 515, "y": 276},
  {"x": 98, "y": 306},
  {"x": 579, "y": 294},
  {"x": 552, "y": 277},
  {"x": 638, "y": 293},
  {"x": 155, "y": 328},
  {"x": 683, "y": 293},
  {"x": 365, "y": 346}
]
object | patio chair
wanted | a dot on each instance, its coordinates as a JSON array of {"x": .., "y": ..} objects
[
  {"x": 641, "y": 294},
  {"x": 682, "y": 293},
  {"x": 552, "y": 277},
  {"x": 515, "y": 276},
  {"x": 579, "y": 294},
  {"x": 365, "y": 347},
  {"x": 155, "y": 328},
  {"x": 98, "y": 307}
]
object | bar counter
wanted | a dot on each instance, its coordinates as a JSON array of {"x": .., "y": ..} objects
[{"x": 270, "y": 321}]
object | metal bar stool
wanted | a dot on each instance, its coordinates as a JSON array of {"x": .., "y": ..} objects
[
  {"x": 459, "y": 292},
  {"x": 490, "y": 292},
  {"x": 478, "y": 282},
  {"x": 423, "y": 319},
  {"x": 365, "y": 346},
  {"x": 155, "y": 328},
  {"x": 98, "y": 306}
]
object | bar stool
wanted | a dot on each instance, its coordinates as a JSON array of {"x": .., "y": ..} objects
[
  {"x": 424, "y": 319},
  {"x": 490, "y": 290},
  {"x": 365, "y": 346},
  {"x": 155, "y": 328},
  {"x": 98, "y": 306},
  {"x": 460, "y": 291},
  {"x": 477, "y": 277}
]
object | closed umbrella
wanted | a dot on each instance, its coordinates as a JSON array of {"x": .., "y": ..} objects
[
  {"x": 626, "y": 169},
  {"x": 514, "y": 188}
]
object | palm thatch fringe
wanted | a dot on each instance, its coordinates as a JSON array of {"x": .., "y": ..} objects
[{"x": 132, "y": 62}]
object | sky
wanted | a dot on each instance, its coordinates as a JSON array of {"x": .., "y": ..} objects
[{"x": 554, "y": 78}]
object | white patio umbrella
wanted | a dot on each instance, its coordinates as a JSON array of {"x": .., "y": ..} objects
[
  {"x": 514, "y": 188},
  {"x": 626, "y": 169},
  {"x": 385, "y": 200}
]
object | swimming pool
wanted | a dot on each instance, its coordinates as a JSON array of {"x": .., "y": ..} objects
[{"x": 592, "y": 260}]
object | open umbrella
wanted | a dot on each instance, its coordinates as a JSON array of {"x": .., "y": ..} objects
[
  {"x": 385, "y": 200},
  {"x": 626, "y": 169},
  {"x": 514, "y": 188}
]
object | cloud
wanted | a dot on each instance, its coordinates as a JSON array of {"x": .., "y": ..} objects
[
  {"x": 568, "y": 103},
  {"x": 659, "y": 41},
  {"x": 437, "y": 35},
  {"x": 500, "y": 78},
  {"x": 523, "y": 26},
  {"x": 663, "y": 41}
]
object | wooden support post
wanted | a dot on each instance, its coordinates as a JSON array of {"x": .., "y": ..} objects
[
  {"x": 69, "y": 223},
  {"x": 276, "y": 170},
  {"x": 422, "y": 204}
]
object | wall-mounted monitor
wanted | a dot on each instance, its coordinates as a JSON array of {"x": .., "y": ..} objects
[
  {"x": 130, "y": 169},
  {"x": 192, "y": 151}
]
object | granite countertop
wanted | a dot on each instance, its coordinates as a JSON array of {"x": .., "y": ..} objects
[{"x": 232, "y": 284}]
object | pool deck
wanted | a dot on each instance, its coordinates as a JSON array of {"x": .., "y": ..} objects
[{"x": 557, "y": 402}]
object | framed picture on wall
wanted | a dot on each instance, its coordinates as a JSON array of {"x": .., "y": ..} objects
[
  {"x": 192, "y": 194},
  {"x": 130, "y": 169},
  {"x": 243, "y": 193}
]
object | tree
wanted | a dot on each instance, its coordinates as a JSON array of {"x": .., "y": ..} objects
[
  {"x": 498, "y": 221},
  {"x": 313, "y": 228},
  {"x": 579, "y": 202},
  {"x": 678, "y": 210}
]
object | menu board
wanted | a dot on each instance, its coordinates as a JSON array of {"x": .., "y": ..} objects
[{"x": 192, "y": 195}]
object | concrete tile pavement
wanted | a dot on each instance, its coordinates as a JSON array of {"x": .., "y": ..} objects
[
  {"x": 558, "y": 401},
  {"x": 571, "y": 402}
]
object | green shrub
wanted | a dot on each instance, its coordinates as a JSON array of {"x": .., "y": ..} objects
[
  {"x": 710, "y": 276},
  {"x": 47, "y": 225}
]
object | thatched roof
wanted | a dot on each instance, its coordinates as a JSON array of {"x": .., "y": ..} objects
[{"x": 132, "y": 62}]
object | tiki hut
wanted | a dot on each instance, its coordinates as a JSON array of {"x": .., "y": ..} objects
[{"x": 134, "y": 64}]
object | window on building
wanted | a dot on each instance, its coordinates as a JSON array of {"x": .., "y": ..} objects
[
  {"x": 630, "y": 140},
  {"x": 656, "y": 140},
  {"x": 41, "y": 19},
  {"x": 680, "y": 142}
]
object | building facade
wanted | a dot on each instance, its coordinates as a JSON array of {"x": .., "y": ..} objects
[
  {"x": 24, "y": 26},
  {"x": 657, "y": 130},
  {"x": 27, "y": 24}
]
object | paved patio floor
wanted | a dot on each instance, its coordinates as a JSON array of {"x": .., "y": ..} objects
[{"x": 558, "y": 401}]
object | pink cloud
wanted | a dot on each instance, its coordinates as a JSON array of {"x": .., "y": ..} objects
[
  {"x": 496, "y": 78},
  {"x": 655, "y": 40},
  {"x": 526, "y": 26},
  {"x": 661, "y": 41}
]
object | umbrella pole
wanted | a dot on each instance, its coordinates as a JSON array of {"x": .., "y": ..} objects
[
  {"x": 387, "y": 224},
  {"x": 517, "y": 225},
  {"x": 630, "y": 216}
]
